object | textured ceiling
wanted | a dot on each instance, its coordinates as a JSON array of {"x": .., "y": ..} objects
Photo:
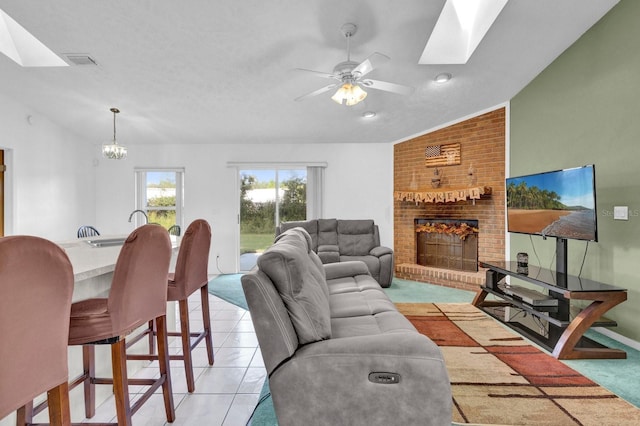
[{"x": 224, "y": 71}]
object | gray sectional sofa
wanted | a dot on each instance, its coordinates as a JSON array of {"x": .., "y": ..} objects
[
  {"x": 336, "y": 350},
  {"x": 343, "y": 240}
]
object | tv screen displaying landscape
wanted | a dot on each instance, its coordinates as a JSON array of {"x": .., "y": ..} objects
[{"x": 558, "y": 204}]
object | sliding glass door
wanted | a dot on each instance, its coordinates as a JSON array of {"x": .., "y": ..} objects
[{"x": 268, "y": 197}]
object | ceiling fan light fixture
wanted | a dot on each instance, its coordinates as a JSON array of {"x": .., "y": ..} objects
[
  {"x": 113, "y": 151},
  {"x": 349, "y": 94}
]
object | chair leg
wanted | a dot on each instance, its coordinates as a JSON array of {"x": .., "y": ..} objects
[
  {"x": 152, "y": 340},
  {"x": 89, "y": 368},
  {"x": 58, "y": 401},
  {"x": 206, "y": 319},
  {"x": 163, "y": 361},
  {"x": 121, "y": 382},
  {"x": 185, "y": 335},
  {"x": 24, "y": 415}
]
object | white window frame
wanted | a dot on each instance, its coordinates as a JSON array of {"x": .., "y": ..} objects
[{"x": 141, "y": 192}]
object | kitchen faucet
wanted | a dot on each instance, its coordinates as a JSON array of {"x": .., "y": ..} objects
[{"x": 146, "y": 218}]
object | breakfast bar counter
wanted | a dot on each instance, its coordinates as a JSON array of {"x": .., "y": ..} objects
[{"x": 93, "y": 263}]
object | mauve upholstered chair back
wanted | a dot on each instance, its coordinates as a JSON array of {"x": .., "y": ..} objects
[
  {"x": 36, "y": 286},
  {"x": 191, "y": 271},
  {"x": 139, "y": 287}
]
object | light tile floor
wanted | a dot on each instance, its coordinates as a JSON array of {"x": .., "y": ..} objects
[{"x": 226, "y": 393}]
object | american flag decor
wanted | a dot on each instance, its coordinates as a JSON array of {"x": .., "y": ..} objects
[
  {"x": 442, "y": 155},
  {"x": 432, "y": 151}
]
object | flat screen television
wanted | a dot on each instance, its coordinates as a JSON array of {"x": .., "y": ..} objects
[{"x": 559, "y": 204}]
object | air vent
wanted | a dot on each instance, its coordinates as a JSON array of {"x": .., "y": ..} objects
[{"x": 80, "y": 59}]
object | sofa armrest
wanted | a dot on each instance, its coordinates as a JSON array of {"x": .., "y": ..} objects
[
  {"x": 276, "y": 335},
  {"x": 328, "y": 253},
  {"x": 345, "y": 269},
  {"x": 380, "y": 251},
  {"x": 328, "y": 248},
  {"x": 328, "y": 382}
]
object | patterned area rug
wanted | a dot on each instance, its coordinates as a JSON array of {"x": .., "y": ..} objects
[{"x": 497, "y": 377}]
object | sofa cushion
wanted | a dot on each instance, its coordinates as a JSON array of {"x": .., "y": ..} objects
[
  {"x": 385, "y": 322},
  {"x": 298, "y": 275},
  {"x": 311, "y": 226},
  {"x": 327, "y": 232},
  {"x": 356, "y": 237}
]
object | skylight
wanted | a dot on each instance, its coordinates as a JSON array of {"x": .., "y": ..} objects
[
  {"x": 460, "y": 28},
  {"x": 23, "y": 48}
]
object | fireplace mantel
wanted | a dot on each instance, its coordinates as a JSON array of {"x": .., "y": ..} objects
[{"x": 443, "y": 195}]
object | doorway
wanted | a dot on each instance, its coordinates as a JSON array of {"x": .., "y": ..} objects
[{"x": 268, "y": 197}]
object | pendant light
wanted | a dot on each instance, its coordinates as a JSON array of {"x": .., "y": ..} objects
[{"x": 113, "y": 151}]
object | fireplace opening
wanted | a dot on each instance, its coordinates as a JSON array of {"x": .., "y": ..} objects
[{"x": 447, "y": 243}]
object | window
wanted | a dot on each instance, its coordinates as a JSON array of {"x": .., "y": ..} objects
[{"x": 159, "y": 194}]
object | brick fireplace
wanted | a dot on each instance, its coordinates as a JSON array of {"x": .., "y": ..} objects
[
  {"x": 482, "y": 164},
  {"x": 447, "y": 243}
]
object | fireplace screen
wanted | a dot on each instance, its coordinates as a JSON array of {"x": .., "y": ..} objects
[{"x": 447, "y": 244}]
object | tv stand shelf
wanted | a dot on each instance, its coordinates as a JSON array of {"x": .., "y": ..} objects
[{"x": 553, "y": 327}]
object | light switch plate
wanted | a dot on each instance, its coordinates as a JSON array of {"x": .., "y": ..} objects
[{"x": 621, "y": 213}]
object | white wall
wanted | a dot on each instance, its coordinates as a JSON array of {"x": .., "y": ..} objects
[
  {"x": 58, "y": 181},
  {"x": 50, "y": 180},
  {"x": 359, "y": 184}
]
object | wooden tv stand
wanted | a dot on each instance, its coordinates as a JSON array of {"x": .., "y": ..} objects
[{"x": 562, "y": 335}]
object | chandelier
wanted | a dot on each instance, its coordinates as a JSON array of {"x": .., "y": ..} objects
[{"x": 113, "y": 151}]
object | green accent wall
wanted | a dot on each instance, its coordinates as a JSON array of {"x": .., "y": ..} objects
[{"x": 584, "y": 108}]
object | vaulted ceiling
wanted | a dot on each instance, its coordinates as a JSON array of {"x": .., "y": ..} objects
[{"x": 224, "y": 71}]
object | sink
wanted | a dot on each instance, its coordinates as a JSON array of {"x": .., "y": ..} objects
[{"x": 107, "y": 242}]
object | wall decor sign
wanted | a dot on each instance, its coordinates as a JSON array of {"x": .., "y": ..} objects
[
  {"x": 442, "y": 155},
  {"x": 443, "y": 195}
]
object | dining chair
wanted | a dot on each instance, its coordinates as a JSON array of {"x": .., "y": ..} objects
[
  {"x": 190, "y": 275},
  {"x": 138, "y": 295},
  {"x": 36, "y": 287},
  {"x": 174, "y": 230},
  {"x": 87, "y": 231}
]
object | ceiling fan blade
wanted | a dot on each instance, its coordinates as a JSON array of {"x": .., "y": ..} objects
[
  {"x": 320, "y": 73},
  {"x": 374, "y": 60},
  {"x": 388, "y": 87},
  {"x": 317, "y": 92}
]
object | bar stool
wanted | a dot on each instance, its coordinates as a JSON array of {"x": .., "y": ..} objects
[
  {"x": 36, "y": 286},
  {"x": 87, "y": 231},
  {"x": 190, "y": 275},
  {"x": 137, "y": 295}
]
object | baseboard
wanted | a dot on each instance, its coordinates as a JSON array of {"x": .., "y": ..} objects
[{"x": 618, "y": 337}]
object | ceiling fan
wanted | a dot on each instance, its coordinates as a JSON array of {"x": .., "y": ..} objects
[{"x": 350, "y": 76}]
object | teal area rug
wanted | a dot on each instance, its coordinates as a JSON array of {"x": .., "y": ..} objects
[
  {"x": 622, "y": 377},
  {"x": 404, "y": 291},
  {"x": 228, "y": 287}
]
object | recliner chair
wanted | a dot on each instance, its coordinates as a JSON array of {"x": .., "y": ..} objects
[{"x": 343, "y": 240}]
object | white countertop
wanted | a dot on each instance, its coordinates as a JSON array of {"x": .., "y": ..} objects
[{"x": 89, "y": 261}]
